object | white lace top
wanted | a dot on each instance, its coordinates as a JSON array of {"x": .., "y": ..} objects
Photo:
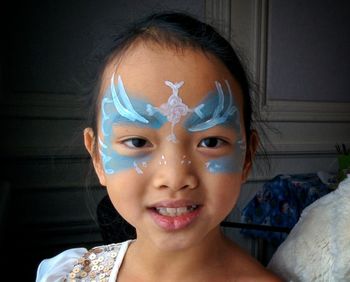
[{"x": 79, "y": 264}]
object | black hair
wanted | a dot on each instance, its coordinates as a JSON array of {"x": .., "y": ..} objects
[{"x": 177, "y": 30}]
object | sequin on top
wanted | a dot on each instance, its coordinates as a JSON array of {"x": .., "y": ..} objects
[{"x": 95, "y": 265}]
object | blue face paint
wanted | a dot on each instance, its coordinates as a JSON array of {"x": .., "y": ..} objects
[
  {"x": 230, "y": 163},
  {"x": 219, "y": 109},
  {"x": 122, "y": 103},
  {"x": 114, "y": 162},
  {"x": 108, "y": 110},
  {"x": 118, "y": 108}
]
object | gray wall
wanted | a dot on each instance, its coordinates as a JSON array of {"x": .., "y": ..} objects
[{"x": 308, "y": 50}]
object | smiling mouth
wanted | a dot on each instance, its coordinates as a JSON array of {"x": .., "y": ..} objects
[{"x": 173, "y": 212}]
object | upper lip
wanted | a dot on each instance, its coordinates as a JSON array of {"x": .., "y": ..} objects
[{"x": 174, "y": 203}]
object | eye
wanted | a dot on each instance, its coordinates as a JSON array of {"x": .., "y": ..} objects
[
  {"x": 211, "y": 142},
  {"x": 136, "y": 143}
]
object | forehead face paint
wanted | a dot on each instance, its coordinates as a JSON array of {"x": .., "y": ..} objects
[
  {"x": 128, "y": 110},
  {"x": 174, "y": 108},
  {"x": 219, "y": 109},
  {"x": 118, "y": 108}
]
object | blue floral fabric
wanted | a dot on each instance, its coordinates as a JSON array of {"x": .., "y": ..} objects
[{"x": 280, "y": 203}]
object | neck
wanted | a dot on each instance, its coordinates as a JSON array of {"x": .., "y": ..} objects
[{"x": 154, "y": 262}]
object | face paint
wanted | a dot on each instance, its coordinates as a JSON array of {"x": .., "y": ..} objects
[
  {"x": 114, "y": 162},
  {"x": 219, "y": 109},
  {"x": 231, "y": 163},
  {"x": 137, "y": 168},
  {"x": 118, "y": 108},
  {"x": 174, "y": 108},
  {"x": 122, "y": 103},
  {"x": 185, "y": 161},
  {"x": 163, "y": 161}
]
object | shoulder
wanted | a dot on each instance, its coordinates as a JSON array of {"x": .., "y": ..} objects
[
  {"x": 262, "y": 276},
  {"x": 79, "y": 263},
  {"x": 255, "y": 272},
  {"x": 246, "y": 268}
]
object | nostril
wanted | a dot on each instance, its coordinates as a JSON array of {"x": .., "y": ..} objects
[{"x": 174, "y": 177}]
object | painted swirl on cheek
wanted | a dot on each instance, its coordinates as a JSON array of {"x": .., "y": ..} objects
[{"x": 220, "y": 110}]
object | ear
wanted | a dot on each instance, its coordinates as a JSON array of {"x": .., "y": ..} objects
[
  {"x": 89, "y": 141},
  {"x": 250, "y": 153}
]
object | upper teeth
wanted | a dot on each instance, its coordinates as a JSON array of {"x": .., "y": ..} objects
[{"x": 175, "y": 211}]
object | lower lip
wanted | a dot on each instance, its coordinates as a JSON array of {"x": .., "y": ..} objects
[{"x": 173, "y": 223}]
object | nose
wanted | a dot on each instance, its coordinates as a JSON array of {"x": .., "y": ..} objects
[{"x": 175, "y": 173}]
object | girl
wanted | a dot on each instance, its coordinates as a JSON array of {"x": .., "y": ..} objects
[{"x": 171, "y": 140}]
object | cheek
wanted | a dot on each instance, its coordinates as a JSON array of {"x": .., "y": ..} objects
[
  {"x": 224, "y": 192},
  {"x": 232, "y": 163},
  {"x": 126, "y": 192},
  {"x": 114, "y": 163}
]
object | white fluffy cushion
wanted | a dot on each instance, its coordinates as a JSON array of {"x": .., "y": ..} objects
[{"x": 318, "y": 247}]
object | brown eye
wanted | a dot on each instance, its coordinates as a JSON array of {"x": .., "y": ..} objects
[
  {"x": 211, "y": 142},
  {"x": 135, "y": 143}
]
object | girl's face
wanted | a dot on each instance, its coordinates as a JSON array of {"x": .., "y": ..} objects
[{"x": 171, "y": 139}]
